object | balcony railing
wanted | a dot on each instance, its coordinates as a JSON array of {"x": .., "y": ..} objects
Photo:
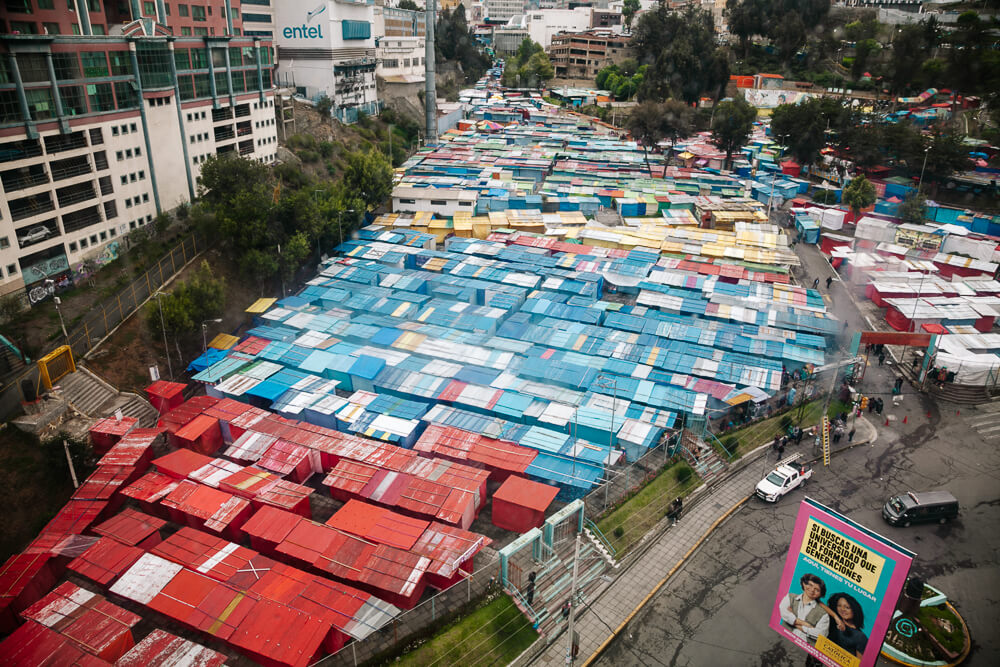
[
  {"x": 219, "y": 115},
  {"x": 224, "y": 134},
  {"x": 82, "y": 218},
  {"x": 30, "y": 206},
  {"x": 107, "y": 187},
  {"x": 59, "y": 143},
  {"x": 244, "y": 129},
  {"x": 243, "y": 110},
  {"x": 246, "y": 147},
  {"x": 20, "y": 181},
  {"x": 63, "y": 169},
  {"x": 19, "y": 150},
  {"x": 76, "y": 194}
]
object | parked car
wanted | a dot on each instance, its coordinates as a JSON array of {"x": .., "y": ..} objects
[
  {"x": 923, "y": 507},
  {"x": 35, "y": 234},
  {"x": 787, "y": 475}
]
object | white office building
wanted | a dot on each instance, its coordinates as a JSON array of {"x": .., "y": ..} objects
[{"x": 328, "y": 48}]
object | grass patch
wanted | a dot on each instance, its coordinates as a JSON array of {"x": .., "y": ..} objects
[
  {"x": 742, "y": 440},
  {"x": 494, "y": 634},
  {"x": 635, "y": 516}
]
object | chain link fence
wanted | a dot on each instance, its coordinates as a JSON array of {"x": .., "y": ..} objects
[{"x": 102, "y": 319}]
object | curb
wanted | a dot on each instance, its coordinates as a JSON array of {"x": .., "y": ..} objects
[{"x": 656, "y": 589}]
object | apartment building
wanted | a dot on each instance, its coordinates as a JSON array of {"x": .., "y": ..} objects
[
  {"x": 400, "y": 47},
  {"x": 258, "y": 18},
  {"x": 328, "y": 48},
  {"x": 99, "y": 133},
  {"x": 582, "y": 55},
  {"x": 502, "y": 10}
]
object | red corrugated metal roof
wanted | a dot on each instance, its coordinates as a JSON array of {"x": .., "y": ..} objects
[
  {"x": 350, "y": 477},
  {"x": 456, "y": 444},
  {"x": 286, "y": 495},
  {"x": 250, "y": 446},
  {"x": 74, "y": 518},
  {"x": 34, "y": 644},
  {"x": 132, "y": 448},
  {"x": 284, "y": 457},
  {"x": 165, "y": 388},
  {"x": 130, "y": 526},
  {"x": 271, "y": 524},
  {"x": 248, "y": 482},
  {"x": 162, "y": 649},
  {"x": 24, "y": 578},
  {"x": 213, "y": 472},
  {"x": 524, "y": 492},
  {"x": 296, "y": 646},
  {"x": 105, "y": 560},
  {"x": 151, "y": 487},
  {"x": 448, "y": 547},
  {"x": 112, "y": 426},
  {"x": 378, "y": 524},
  {"x": 94, "y": 624},
  {"x": 218, "y": 509},
  {"x": 180, "y": 463},
  {"x": 197, "y": 427},
  {"x": 184, "y": 413},
  {"x": 210, "y": 555},
  {"x": 104, "y": 482},
  {"x": 252, "y": 345},
  {"x": 388, "y": 456},
  {"x": 450, "y": 473}
]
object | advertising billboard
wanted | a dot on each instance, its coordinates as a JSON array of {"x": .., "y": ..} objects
[{"x": 839, "y": 588}]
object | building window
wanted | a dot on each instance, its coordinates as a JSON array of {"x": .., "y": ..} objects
[
  {"x": 12, "y": 269},
  {"x": 197, "y": 13},
  {"x": 124, "y": 180},
  {"x": 182, "y": 10},
  {"x": 83, "y": 243},
  {"x": 4, "y": 243},
  {"x": 72, "y": 246}
]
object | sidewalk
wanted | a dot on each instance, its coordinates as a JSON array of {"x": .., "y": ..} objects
[{"x": 616, "y": 603}]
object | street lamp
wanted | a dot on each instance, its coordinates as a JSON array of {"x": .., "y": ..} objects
[
  {"x": 920, "y": 182},
  {"x": 604, "y": 381},
  {"x": 204, "y": 329},
  {"x": 51, "y": 285},
  {"x": 163, "y": 326},
  {"x": 340, "y": 226}
]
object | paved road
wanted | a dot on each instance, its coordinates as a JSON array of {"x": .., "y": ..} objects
[{"x": 715, "y": 610}]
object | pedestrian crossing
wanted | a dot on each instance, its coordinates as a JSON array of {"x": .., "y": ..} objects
[{"x": 985, "y": 420}]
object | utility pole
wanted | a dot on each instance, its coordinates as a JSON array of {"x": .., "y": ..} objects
[
  {"x": 572, "y": 600},
  {"x": 430, "y": 86},
  {"x": 72, "y": 470},
  {"x": 163, "y": 326}
]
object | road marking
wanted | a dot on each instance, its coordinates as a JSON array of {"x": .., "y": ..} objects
[
  {"x": 976, "y": 423},
  {"x": 984, "y": 431}
]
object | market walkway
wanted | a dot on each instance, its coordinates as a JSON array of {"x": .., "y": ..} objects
[{"x": 618, "y": 601}]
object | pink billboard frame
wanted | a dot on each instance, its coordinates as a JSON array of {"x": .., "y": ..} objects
[{"x": 901, "y": 558}]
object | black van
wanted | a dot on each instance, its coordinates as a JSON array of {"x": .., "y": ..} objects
[{"x": 923, "y": 507}]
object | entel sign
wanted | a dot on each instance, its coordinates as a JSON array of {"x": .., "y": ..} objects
[{"x": 303, "y": 32}]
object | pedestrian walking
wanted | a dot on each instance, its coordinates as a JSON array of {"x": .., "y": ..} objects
[
  {"x": 878, "y": 406},
  {"x": 850, "y": 435},
  {"x": 829, "y": 280},
  {"x": 816, "y": 284},
  {"x": 871, "y": 405},
  {"x": 898, "y": 387},
  {"x": 881, "y": 358},
  {"x": 798, "y": 437},
  {"x": 781, "y": 448}
]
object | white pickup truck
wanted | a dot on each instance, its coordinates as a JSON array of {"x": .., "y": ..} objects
[{"x": 787, "y": 475}]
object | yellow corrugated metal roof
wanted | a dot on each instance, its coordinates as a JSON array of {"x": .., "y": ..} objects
[
  {"x": 260, "y": 306},
  {"x": 223, "y": 341}
]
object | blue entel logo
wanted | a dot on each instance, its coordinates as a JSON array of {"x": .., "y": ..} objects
[{"x": 306, "y": 31}]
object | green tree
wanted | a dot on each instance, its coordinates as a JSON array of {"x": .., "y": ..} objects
[
  {"x": 369, "y": 175},
  {"x": 731, "y": 126},
  {"x": 910, "y": 48},
  {"x": 199, "y": 298},
  {"x": 409, "y": 4},
  {"x": 859, "y": 194},
  {"x": 293, "y": 253},
  {"x": 644, "y": 124},
  {"x": 538, "y": 70},
  {"x": 629, "y": 8},
  {"x": 455, "y": 43},
  {"x": 682, "y": 55},
  {"x": 913, "y": 209},
  {"x": 602, "y": 76},
  {"x": 802, "y": 127},
  {"x": 324, "y": 106},
  {"x": 862, "y": 52}
]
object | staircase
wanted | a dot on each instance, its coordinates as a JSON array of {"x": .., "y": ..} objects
[
  {"x": 702, "y": 457},
  {"x": 554, "y": 581},
  {"x": 93, "y": 397},
  {"x": 959, "y": 393}
]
